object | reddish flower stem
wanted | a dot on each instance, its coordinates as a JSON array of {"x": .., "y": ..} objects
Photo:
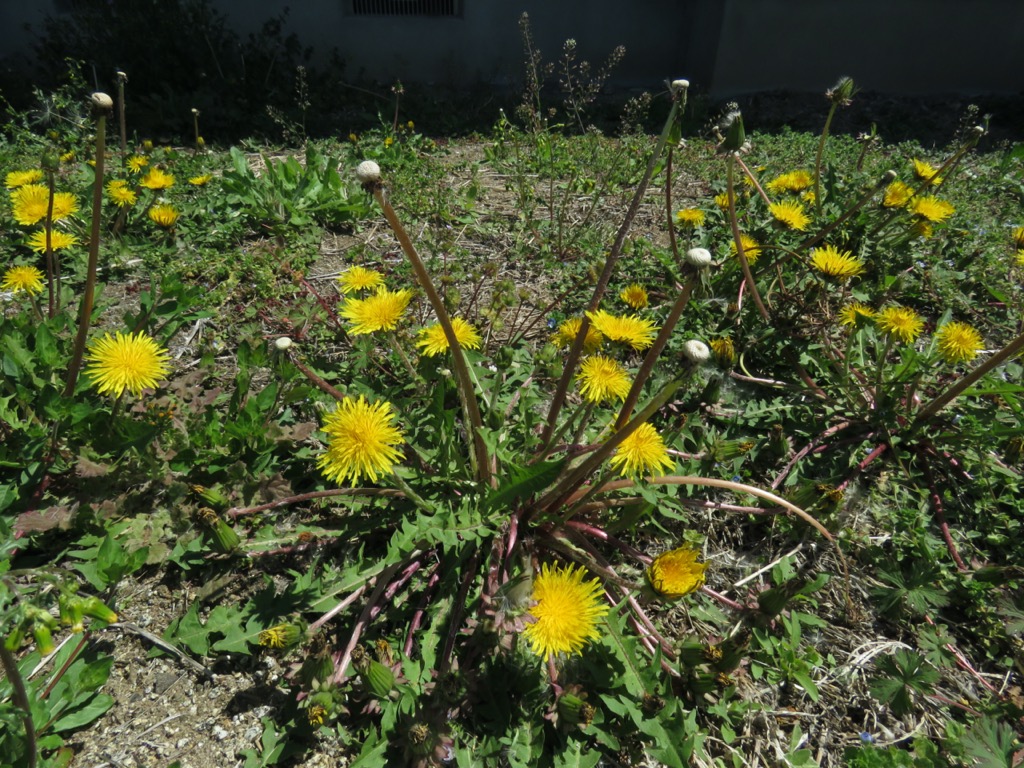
[
  {"x": 877, "y": 451},
  {"x": 722, "y": 598},
  {"x": 940, "y": 515},
  {"x": 598, "y": 533},
  {"x": 964, "y": 664},
  {"x": 421, "y": 610},
  {"x": 807, "y": 449}
]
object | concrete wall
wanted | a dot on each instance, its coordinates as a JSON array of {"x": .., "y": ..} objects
[{"x": 725, "y": 47}]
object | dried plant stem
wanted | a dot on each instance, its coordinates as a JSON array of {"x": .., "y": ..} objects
[
  {"x": 382, "y": 581},
  {"x": 20, "y": 696},
  {"x": 481, "y": 461},
  {"x": 89, "y": 293},
  {"x": 748, "y": 276}
]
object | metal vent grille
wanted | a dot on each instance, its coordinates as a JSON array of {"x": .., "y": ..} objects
[{"x": 449, "y": 8}]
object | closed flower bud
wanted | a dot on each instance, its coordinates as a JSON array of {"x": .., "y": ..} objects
[
  {"x": 773, "y": 601},
  {"x": 380, "y": 680},
  {"x": 368, "y": 172},
  {"x": 50, "y": 160},
  {"x": 281, "y": 636},
  {"x": 732, "y": 650},
  {"x": 702, "y": 683},
  {"x": 842, "y": 92},
  {"x": 573, "y": 710},
  {"x": 696, "y": 352},
  {"x": 735, "y": 135},
  {"x": 211, "y": 496},
  {"x": 224, "y": 536},
  {"x": 319, "y": 708},
  {"x": 101, "y": 103},
  {"x": 680, "y": 85},
  {"x": 97, "y": 609},
  {"x": 699, "y": 258},
  {"x": 691, "y": 653},
  {"x": 71, "y": 613},
  {"x": 43, "y": 638}
]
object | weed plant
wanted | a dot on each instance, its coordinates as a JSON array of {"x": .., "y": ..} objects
[{"x": 511, "y": 512}]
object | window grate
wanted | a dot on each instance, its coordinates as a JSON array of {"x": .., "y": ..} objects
[{"x": 449, "y": 8}]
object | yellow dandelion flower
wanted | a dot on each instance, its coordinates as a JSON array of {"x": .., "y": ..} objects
[
  {"x": 629, "y": 329},
  {"x": 676, "y": 573},
  {"x": 356, "y": 279},
  {"x": 958, "y": 342},
  {"x": 566, "y": 613},
  {"x": 67, "y": 157},
  {"x": 378, "y": 312},
  {"x": 58, "y": 240},
  {"x": 690, "y": 218},
  {"x": 926, "y": 172},
  {"x": 126, "y": 361},
  {"x": 751, "y": 248},
  {"x": 634, "y": 295},
  {"x": 163, "y": 215},
  {"x": 157, "y": 179},
  {"x": 1018, "y": 238},
  {"x": 897, "y": 194},
  {"x": 280, "y": 636},
  {"x": 353, "y": 138},
  {"x": 433, "y": 341},
  {"x": 793, "y": 181},
  {"x": 724, "y": 351},
  {"x": 202, "y": 180},
  {"x": 15, "y": 179},
  {"x": 388, "y": 142},
  {"x": 722, "y": 201},
  {"x": 30, "y": 202},
  {"x": 642, "y": 453},
  {"x": 901, "y": 323},
  {"x": 27, "y": 279},
  {"x": 316, "y": 714},
  {"x": 836, "y": 264},
  {"x": 136, "y": 163},
  {"x": 361, "y": 441},
  {"x": 855, "y": 313},
  {"x": 791, "y": 214},
  {"x": 1020, "y": 258},
  {"x": 922, "y": 228},
  {"x": 120, "y": 194},
  {"x": 808, "y": 197},
  {"x": 932, "y": 208},
  {"x": 602, "y": 378},
  {"x": 570, "y": 329}
]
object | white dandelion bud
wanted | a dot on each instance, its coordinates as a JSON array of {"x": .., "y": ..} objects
[
  {"x": 282, "y": 343},
  {"x": 696, "y": 352},
  {"x": 699, "y": 258},
  {"x": 101, "y": 102},
  {"x": 368, "y": 172},
  {"x": 680, "y": 85}
]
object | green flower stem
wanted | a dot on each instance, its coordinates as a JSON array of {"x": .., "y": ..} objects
[
  {"x": 651, "y": 359},
  {"x": 576, "y": 350},
  {"x": 817, "y": 159},
  {"x": 413, "y": 374},
  {"x": 481, "y": 461},
  {"x": 941, "y": 401},
  {"x": 89, "y": 294},
  {"x": 744, "y": 264},
  {"x": 410, "y": 494},
  {"x": 20, "y": 696},
  {"x": 561, "y": 493},
  {"x": 52, "y": 267}
]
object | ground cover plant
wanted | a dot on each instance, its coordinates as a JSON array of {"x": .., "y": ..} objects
[{"x": 656, "y": 450}]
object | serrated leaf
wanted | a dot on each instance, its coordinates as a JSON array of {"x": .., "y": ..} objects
[
  {"x": 576, "y": 755},
  {"x": 189, "y": 632},
  {"x": 522, "y": 482}
]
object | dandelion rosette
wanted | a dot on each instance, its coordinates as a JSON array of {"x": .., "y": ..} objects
[
  {"x": 361, "y": 441},
  {"x": 566, "y": 613},
  {"x": 355, "y": 279},
  {"x": 27, "y": 279},
  {"x": 132, "y": 361},
  {"x": 791, "y": 214},
  {"x": 379, "y": 312},
  {"x": 676, "y": 573},
  {"x": 634, "y": 295},
  {"x": 836, "y": 264},
  {"x": 602, "y": 378},
  {"x": 643, "y": 452},
  {"x": 901, "y": 323},
  {"x": 433, "y": 341},
  {"x": 635, "y": 331},
  {"x": 958, "y": 342}
]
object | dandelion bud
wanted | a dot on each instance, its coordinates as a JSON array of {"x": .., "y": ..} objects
[
  {"x": 380, "y": 680},
  {"x": 97, "y": 609},
  {"x": 71, "y": 613},
  {"x": 696, "y": 352},
  {"x": 699, "y": 258},
  {"x": 50, "y": 161},
  {"x": 724, "y": 351},
  {"x": 211, "y": 496},
  {"x": 101, "y": 103},
  {"x": 368, "y": 172},
  {"x": 13, "y": 641},
  {"x": 282, "y": 343},
  {"x": 773, "y": 601},
  {"x": 732, "y": 650},
  {"x": 703, "y": 683},
  {"x": 735, "y": 135},
  {"x": 320, "y": 706},
  {"x": 195, "y": 111},
  {"x": 281, "y": 636},
  {"x": 842, "y": 92},
  {"x": 692, "y": 653},
  {"x": 224, "y": 536},
  {"x": 43, "y": 638},
  {"x": 573, "y": 710},
  {"x": 680, "y": 85}
]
